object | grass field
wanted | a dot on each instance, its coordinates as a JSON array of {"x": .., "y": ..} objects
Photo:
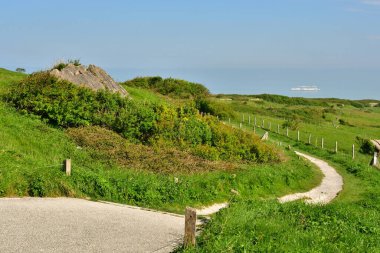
[
  {"x": 31, "y": 165},
  {"x": 32, "y": 153},
  {"x": 351, "y": 223}
]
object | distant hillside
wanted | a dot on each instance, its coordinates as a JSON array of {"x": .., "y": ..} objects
[
  {"x": 170, "y": 87},
  {"x": 7, "y": 77}
]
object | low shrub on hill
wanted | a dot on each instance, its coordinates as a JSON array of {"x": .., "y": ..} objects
[
  {"x": 66, "y": 105},
  {"x": 223, "y": 111},
  {"x": 172, "y": 87}
]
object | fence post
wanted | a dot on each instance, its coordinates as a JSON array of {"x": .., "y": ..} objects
[
  {"x": 287, "y": 132},
  {"x": 374, "y": 161},
  {"x": 190, "y": 222},
  {"x": 278, "y": 128},
  {"x": 309, "y": 138},
  {"x": 353, "y": 151},
  {"x": 336, "y": 147},
  {"x": 322, "y": 143},
  {"x": 298, "y": 135},
  {"x": 67, "y": 165}
]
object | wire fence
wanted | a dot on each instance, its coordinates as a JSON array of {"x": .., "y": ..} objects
[{"x": 260, "y": 125}]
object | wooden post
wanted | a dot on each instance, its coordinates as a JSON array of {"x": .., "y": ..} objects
[
  {"x": 322, "y": 143},
  {"x": 67, "y": 165},
  {"x": 309, "y": 138},
  {"x": 336, "y": 147},
  {"x": 374, "y": 161},
  {"x": 278, "y": 128},
  {"x": 190, "y": 222},
  {"x": 353, "y": 151},
  {"x": 298, "y": 135},
  {"x": 287, "y": 132}
]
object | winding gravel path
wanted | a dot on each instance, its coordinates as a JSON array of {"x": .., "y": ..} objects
[
  {"x": 77, "y": 225},
  {"x": 331, "y": 185}
]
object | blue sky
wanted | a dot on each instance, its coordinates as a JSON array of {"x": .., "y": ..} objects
[{"x": 235, "y": 46}]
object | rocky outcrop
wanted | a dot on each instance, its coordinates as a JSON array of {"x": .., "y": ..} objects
[{"x": 91, "y": 77}]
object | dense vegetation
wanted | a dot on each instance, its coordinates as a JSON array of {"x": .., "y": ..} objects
[
  {"x": 171, "y": 87},
  {"x": 32, "y": 152},
  {"x": 66, "y": 105},
  {"x": 138, "y": 163}
]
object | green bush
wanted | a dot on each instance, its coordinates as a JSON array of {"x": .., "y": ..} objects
[
  {"x": 223, "y": 111},
  {"x": 66, "y": 105},
  {"x": 366, "y": 146},
  {"x": 170, "y": 87}
]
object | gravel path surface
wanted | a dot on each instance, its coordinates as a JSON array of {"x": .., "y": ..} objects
[
  {"x": 331, "y": 185},
  {"x": 76, "y": 225}
]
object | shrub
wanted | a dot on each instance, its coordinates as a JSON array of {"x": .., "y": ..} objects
[
  {"x": 170, "y": 87},
  {"x": 366, "y": 146},
  {"x": 66, "y": 105}
]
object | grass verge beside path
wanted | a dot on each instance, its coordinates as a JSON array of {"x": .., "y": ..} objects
[
  {"x": 351, "y": 223},
  {"x": 31, "y": 154}
]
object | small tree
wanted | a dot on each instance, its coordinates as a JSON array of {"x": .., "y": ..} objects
[{"x": 20, "y": 70}]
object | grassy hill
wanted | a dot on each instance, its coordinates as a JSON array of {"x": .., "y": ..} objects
[
  {"x": 44, "y": 122},
  {"x": 157, "y": 160}
]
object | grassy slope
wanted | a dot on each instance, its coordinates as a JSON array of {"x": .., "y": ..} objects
[
  {"x": 350, "y": 224},
  {"x": 32, "y": 153}
]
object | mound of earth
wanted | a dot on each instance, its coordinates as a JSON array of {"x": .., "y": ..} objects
[{"x": 91, "y": 77}]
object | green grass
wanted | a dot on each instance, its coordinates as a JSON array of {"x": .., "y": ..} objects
[
  {"x": 32, "y": 153},
  {"x": 351, "y": 223}
]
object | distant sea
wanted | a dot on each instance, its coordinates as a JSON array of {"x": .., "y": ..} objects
[{"x": 340, "y": 83}]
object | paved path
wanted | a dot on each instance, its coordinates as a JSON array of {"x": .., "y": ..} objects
[
  {"x": 331, "y": 185},
  {"x": 76, "y": 225}
]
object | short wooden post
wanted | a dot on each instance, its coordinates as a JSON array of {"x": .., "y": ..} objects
[
  {"x": 322, "y": 144},
  {"x": 336, "y": 147},
  {"x": 298, "y": 135},
  {"x": 278, "y": 128},
  {"x": 309, "y": 138},
  {"x": 353, "y": 151},
  {"x": 287, "y": 132},
  {"x": 67, "y": 165},
  {"x": 190, "y": 222},
  {"x": 374, "y": 161}
]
